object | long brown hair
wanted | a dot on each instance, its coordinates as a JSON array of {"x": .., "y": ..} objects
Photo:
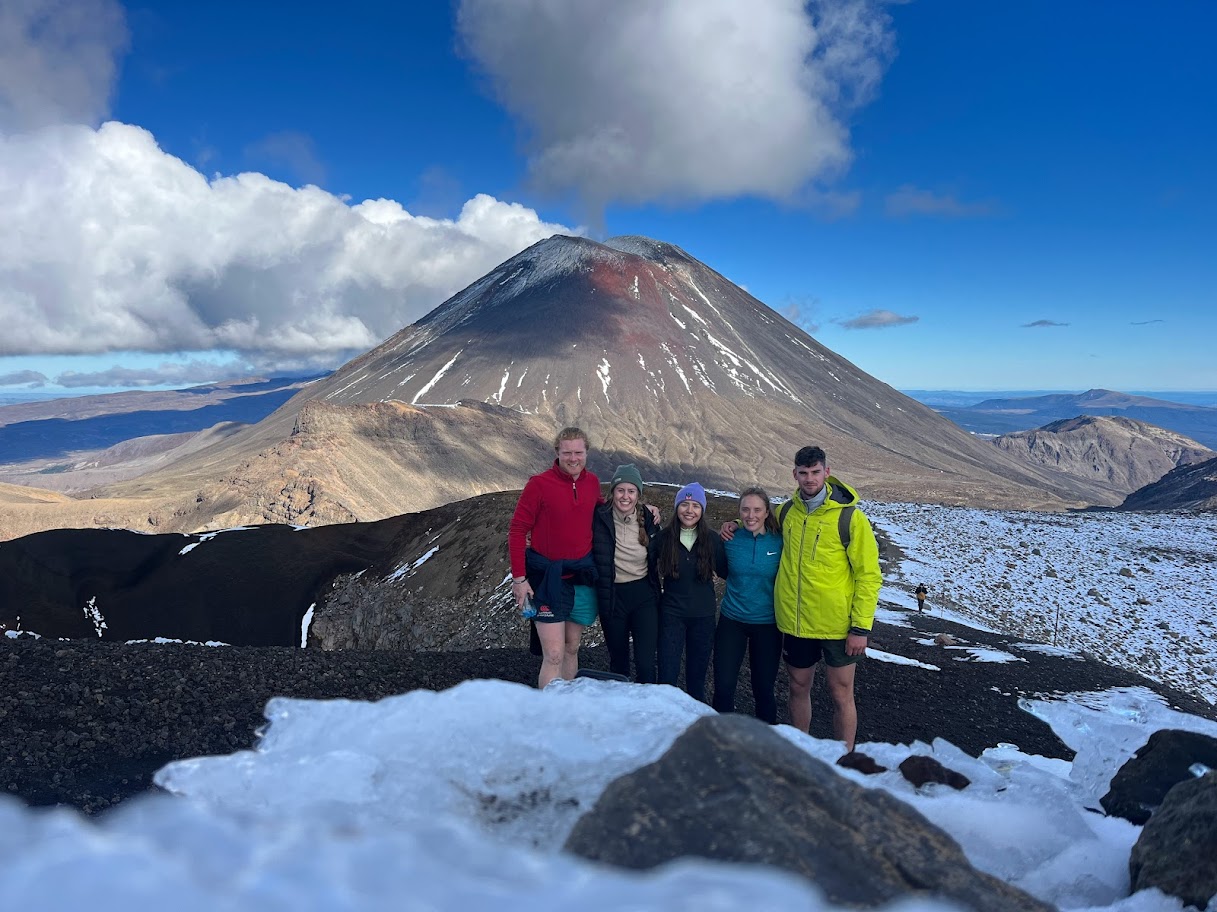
[
  {"x": 703, "y": 550},
  {"x": 643, "y": 538},
  {"x": 771, "y": 521}
]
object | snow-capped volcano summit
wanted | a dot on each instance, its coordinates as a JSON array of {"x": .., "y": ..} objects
[
  {"x": 667, "y": 363},
  {"x": 582, "y": 327}
]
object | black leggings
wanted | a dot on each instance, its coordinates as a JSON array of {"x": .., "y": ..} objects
[
  {"x": 764, "y": 645},
  {"x": 693, "y": 638},
  {"x": 635, "y": 615}
]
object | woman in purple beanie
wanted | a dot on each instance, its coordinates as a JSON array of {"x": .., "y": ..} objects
[{"x": 685, "y": 555}]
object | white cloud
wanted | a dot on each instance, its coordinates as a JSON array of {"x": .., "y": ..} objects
[
  {"x": 910, "y": 200},
  {"x": 109, "y": 244},
  {"x": 877, "y": 319},
  {"x": 23, "y": 377},
  {"x": 641, "y": 100},
  {"x": 57, "y": 61},
  {"x": 168, "y": 373}
]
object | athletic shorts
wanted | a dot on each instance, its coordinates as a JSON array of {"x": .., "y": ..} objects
[
  {"x": 583, "y": 612},
  {"x": 803, "y": 653}
]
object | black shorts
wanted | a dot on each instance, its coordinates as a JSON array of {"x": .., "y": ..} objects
[{"x": 800, "y": 652}]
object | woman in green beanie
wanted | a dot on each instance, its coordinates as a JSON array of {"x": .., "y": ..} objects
[{"x": 627, "y": 588}]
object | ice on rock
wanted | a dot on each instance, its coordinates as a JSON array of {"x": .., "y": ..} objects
[
  {"x": 1107, "y": 728},
  {"x": 484, "y": 750}
]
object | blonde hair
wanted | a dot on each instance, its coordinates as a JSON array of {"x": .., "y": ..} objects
[{"x": 571, "y": 433}]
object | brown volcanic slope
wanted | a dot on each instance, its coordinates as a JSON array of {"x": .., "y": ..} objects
[
  {"x": 1121, "y": 453},
  {"x": 1189, "y": 487},
  {"x": 13, "y": 495},
  {"x": 661, "y": 359}
]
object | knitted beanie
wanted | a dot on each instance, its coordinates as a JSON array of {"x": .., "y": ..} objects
[
  {"x": 692, "y": 491},
  {"x": 626, "y": 474}
]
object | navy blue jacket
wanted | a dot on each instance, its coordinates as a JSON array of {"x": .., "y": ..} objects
[
  {"x": 553, "y": 582},
  {"x": 604, "y": 553}
]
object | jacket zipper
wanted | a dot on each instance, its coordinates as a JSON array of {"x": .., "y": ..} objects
[
  {"x": 798, "y": 592},
  {"x": 815, "y": 542}
]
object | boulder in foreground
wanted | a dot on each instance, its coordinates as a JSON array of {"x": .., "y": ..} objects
[
  {"x": 1164, "y": 761},
  {"x": 731, "y": 789},
  {"x": 1177, "y": 850}
]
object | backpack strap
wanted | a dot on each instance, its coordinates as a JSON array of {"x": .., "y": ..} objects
[
  {"x": 843, "y": 520},
  {"x": 782, "y": 511}
]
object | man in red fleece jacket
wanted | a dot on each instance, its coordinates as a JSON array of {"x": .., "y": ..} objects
[{"x": 555, "y": 509}]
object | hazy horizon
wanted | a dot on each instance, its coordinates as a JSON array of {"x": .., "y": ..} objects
[{"x": 932, "y": 397}]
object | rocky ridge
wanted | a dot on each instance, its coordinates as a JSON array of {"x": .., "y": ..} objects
[
  {"x": 1121, "y": 453},
  {"x": 1189, "y": 487}
]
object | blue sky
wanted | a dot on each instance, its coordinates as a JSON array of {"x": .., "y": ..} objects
[{"x": 951, "y": 194}]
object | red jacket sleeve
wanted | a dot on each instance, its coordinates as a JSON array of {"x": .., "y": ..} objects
[{"x": 522, "y": 522}]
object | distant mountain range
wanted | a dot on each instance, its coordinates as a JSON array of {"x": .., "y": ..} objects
[
  {"x": 968, "y": 398},
  {"x": 1005, "y": 415}
]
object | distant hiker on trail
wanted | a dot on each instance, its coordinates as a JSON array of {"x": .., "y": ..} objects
[
  {"x": 627, "y": 589},
  {"x": 684, "y": 553},
  {"x": 921, "y": 593},
  {"x": 749, "y": 564},
  {"x": 826, "y": 591},
  {"x": 555, "y": 568}
]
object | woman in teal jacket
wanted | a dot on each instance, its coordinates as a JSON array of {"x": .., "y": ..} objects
[{"x": 749, "y": 563}]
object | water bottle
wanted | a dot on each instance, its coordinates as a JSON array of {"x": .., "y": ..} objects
[{"x": 528, "y": 609}]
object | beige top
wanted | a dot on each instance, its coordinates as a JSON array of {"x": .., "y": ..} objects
[{"x": 630, "y": 558}]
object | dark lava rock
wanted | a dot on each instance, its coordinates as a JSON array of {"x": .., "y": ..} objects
[
  {"x": 1177, "y": 850},
  {"x": 730, "y": 789},
  {"x": 1162, "y": 762},
  {"x": 919, "y": 770},
  {"x": 860, "y": 762}
]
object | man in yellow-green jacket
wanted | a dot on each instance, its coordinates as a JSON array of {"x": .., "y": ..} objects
[{"x": 826, "y": 590}]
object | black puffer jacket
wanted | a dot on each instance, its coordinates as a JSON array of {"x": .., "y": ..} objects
[{"x": 604, "y": 550}]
